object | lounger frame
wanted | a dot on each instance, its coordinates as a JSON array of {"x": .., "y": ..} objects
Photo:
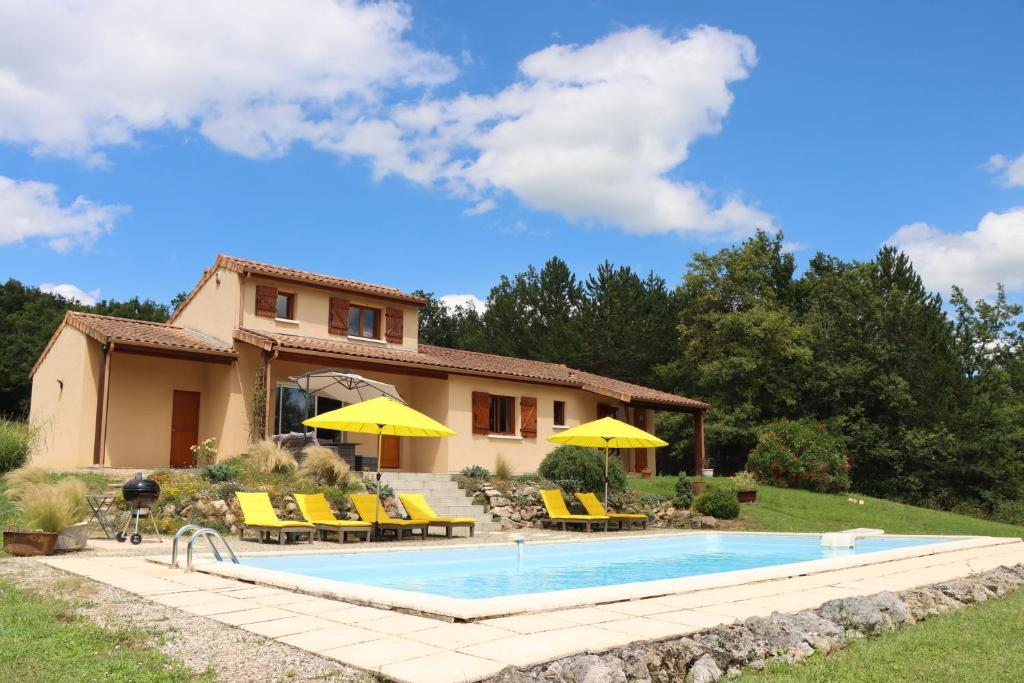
[
  {"x": 587, "y": 524},
  {"x": 364, "y": 531},
  {"x": 262, "y": 532}
]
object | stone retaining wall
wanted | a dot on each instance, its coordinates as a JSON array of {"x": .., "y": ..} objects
[{"x": 706, "y": 656}]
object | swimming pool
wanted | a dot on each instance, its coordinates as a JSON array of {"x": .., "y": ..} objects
[{"x": 496, "y": 571}]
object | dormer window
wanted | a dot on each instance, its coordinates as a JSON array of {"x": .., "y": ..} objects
[
  {"x": 286, "y": 305},
  {"x": 363, "y": 322}
]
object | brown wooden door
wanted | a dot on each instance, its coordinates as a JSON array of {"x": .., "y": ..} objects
[
  {"x": 184, "y": 427},
  {"x": 606, "y": 411},
  {"x": 389, "y": 453},
  {"x": 640, "y": 454}
]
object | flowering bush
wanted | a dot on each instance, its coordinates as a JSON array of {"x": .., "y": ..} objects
[{"x": 800, "y": 454}]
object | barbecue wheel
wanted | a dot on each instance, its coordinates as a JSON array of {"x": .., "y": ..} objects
[
  {"x": 136, "y": 539},
  {"x": 121, "y": 538}
]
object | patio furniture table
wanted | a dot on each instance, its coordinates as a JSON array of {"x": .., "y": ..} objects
[{"x": 104, "y": 510}]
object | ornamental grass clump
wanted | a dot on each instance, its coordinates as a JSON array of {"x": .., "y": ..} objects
[
  {"x": 271, "y": 457},
  {"x": 16, "y": 441},
  {"x": 745, "y": 481},
  {"x": 800, "y": 454},
  {"x": 52, "y": 507},
  {"x": 323, "y": 466},
  {"x": 23, "y": 478}
]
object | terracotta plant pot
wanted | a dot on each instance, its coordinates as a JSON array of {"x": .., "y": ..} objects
[
  {"x": 698, "y": 487},
  {"x": 747, "y": 496},
  {"x": 73, "y": 537},
  {"x": 29, "y": 543}
]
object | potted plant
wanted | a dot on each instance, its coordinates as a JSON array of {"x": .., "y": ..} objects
[
  {"x": 45, "y": 510},
  {"x": 746, "y": 487},
  {"x": 709, "y": 468}
]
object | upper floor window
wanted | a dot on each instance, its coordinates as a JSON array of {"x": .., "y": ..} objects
[
  {"x": 559, "y": 413},
  {"x": 286, "y": 305},
  {"x": 501, "y": 419},
  {"x": 363, "y": 322}
]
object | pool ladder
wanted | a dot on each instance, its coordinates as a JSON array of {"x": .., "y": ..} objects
[{"x": 200, "y": 532}]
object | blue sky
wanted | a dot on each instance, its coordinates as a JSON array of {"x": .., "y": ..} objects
[{"x": 126, "y": 165}]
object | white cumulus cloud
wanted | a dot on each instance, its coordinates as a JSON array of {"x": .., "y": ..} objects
[
  {"x": 1008, "y": 172},
  {"x": 464, "y": 300},
  {"x": 975, "y": 260},
  {"x": 598, "y": 133},
  {"x": 72, "y": 292},
  {"x": 31, "y": 209},
  {"x": 253, "y": 75},
  {"x": 592, "y": 132}
]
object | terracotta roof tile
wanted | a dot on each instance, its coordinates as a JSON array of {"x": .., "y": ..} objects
[
  {"x": 245, "y": 265},
  {"x": 438, "y": 357},
  {"x": 145, "y": 333}
]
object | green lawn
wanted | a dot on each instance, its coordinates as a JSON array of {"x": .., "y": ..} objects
[
  {"x": 44, "y": 641},
  {"x": 980, "y": 643},
  {"x": 795, "y": 510}
]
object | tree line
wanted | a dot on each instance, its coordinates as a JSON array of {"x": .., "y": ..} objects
[
  {"x": 29, "y": 317},
  {"x": 926, "y": 395}
]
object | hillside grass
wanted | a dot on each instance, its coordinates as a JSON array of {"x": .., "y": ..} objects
[
  {"x": 979, "y": 643},
  {"x": 44, "y": 640},
  {"x": 794, "y": 510}
]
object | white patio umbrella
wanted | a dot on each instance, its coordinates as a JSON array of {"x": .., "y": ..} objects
[{"x": 344, "y": 386}]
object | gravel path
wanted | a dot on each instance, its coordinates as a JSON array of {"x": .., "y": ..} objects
[{"x": 199, "y": 643}]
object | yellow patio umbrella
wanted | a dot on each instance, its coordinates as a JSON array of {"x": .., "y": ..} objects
[
  {"x": 607, "y": 433},
  {"x": 380, "y": 416}
]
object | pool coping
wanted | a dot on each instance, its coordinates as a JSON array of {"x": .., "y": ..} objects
[{"x": 457, "y": 609}]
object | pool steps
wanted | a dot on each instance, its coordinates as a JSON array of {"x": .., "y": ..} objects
[{"x": 444, "y": 496}]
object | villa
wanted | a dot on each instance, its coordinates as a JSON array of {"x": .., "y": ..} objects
[{"x": 112, "y": 392}]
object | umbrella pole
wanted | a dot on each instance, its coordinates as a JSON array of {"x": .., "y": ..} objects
[
  {"x": 606, "y": 475},
  {"x": 376, "y": 509}
]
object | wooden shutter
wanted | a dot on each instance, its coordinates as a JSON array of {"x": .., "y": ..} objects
[
  {"x": 481, "y": 412},
  {"x": 337, "y": 322},
  {"x": 528, "y": 416},
  {"x": 393, "y": 326},
  {"x": 266, "y": 301}
]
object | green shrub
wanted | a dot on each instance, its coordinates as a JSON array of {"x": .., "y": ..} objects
[
  {"x": 684, "y": 492},
  {"x": 220, "y": 472},
  {"x": 476, "y": 472},
  {"x": 719, "y": 501},
  {"x": 800, "y": 454},
  {"x": 576, "y": 468},
  {"x": 16, "y": 441}
]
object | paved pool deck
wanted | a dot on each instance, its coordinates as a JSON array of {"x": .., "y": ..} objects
[{"x": 419, "y": 649}]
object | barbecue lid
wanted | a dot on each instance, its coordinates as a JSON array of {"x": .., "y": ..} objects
[{"x": 140, "y": 486}]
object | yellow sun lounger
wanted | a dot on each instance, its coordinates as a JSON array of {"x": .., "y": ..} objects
[
  {"x": 559, "y": 515},
  {"x": 364, "y": 505},
  {"x": 259, "y": 516},
  {"x": 418, "y": 508},
  {"x": 314, "y": 509},
  {"x": 593, "y": 507}
]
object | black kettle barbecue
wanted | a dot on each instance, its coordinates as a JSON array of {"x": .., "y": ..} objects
[{"x": 140, "y": 494}]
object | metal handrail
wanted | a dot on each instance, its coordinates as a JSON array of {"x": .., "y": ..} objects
[
  {"x": 209, "y": 534},
  {"x": 174, "y": 545}
]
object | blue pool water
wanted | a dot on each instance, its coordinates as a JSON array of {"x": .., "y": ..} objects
[{"x": 488, "y": 572}]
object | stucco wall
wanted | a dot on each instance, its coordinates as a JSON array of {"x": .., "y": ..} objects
[
  {"x": 214, "y": 308},
  {"x": 522, "y": 454},
  {"x": 66, "y": 418},
  {"x": 312, "y": 309}
]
